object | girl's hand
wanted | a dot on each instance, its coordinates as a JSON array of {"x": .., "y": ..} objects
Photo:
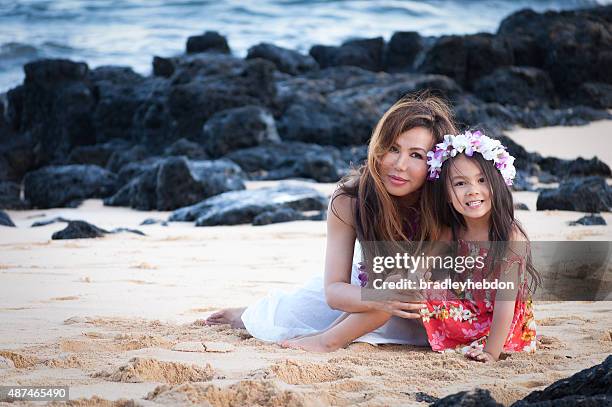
[{"x": 480, "y": 355}]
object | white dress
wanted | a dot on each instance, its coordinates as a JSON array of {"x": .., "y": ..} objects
[{"x": 284, "y": 315}]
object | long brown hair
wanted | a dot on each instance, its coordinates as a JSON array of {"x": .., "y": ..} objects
[
  {"x": 378, "y": 215},
  {"x": 438, "y": 213}
]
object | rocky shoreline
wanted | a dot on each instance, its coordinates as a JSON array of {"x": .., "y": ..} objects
[{"x": 206, "y": 121}]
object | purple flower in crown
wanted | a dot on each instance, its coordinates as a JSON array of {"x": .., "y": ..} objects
[
  {"x": 469, "y": 150},
  {"x": 475, "y": 143}
]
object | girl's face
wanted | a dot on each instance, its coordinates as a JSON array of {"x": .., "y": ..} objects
[
  {"x": 468, "y": 188},
  {"x": 404, "y": 167}
]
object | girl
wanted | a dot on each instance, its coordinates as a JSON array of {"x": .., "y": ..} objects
[
  {"x": 378, "y": 202},
  {"x": 469, "y": 202}
]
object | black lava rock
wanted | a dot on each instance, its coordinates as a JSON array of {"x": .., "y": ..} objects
[
  {"x": 78, "y": 229},
  {"x": 176, "y": 186},
  {"x": 521, "y": 206},
  {"x": 163, "y": 67},
  {"x": 595, "y": 94},
  {"x": 402, "y": 51},
  {"x": 151, "y": 221},
  {"x": 174, "y": 182},
  {"x": 134, "y": 169},
  {"x": 239, "y": 207},
  {"x": 354, "y": 156},
  {"x": 139, "y": 193},
  {"x": 579, "y": 167},
  {"x": 589, "y": 194},
  {"x": 291, "y": 160},
  {"x": 347, "y": 116},
  {"x": 522, "y": 86},
  {"x": 124, "y": 156},
  {"x": 277, "y": 216},
  {"x": 238, "y": 128},
  {"x": 119, "y": 93},
  {"x": 590, "y": 220},
  {"x": 209, "y": 41},
  {"x": 521, "y": 182},
  {"x": 55, "y": 107},
  {"x": 5, "y": 220},
  {"x": 589, "y": 387},
  {"x": 10, "y": 196},
  {"x": 467, "y": 58},
  {"x": 473, "y": 398},
  {"x": 286, "y": 60},
  {"x": 364, "y": 53},
  {"x": 572, "y": 46},
  {"x": 49, "y": 221},
  {"x": 188, "y": 105},
  {"x": 187, "y": 148},
  {"x": 98, "y": 154},
  {"x": 128, "y": 230},
  {"x": 67, "y": 185}
]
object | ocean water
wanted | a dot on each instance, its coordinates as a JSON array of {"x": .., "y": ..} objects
[{"x": 131, "y": 32}]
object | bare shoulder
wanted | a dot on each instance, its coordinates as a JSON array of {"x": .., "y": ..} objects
[
  {"x": 519, "y": 243},
  {"x": 341, "y": 207},
  {"x": 516, "y": 235},
  {"x": 446, "y": 235}
]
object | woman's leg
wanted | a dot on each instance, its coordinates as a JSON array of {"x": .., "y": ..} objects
[
  {"x": 344, "y": 331},
  {"x": 333, "y": 324}
]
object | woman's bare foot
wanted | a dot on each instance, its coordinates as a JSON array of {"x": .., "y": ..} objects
[
  {"x": 230, "y": 316},
  {"x": 312, "y": 343}
]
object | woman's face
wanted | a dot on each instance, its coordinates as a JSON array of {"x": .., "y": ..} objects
[
  {"x": 404, "y": 167},
  {"x": 468, "y": 188}
]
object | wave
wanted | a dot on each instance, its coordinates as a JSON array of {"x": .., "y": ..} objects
[
  {"x": 13, "y": 50},
  {"x": 130, "y": 32}
]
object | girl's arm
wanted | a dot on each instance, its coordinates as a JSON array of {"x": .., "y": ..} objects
[{"x": 503, "y": 312}]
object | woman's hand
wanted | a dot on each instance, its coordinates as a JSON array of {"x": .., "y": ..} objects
[
  {"x": 408, "y": 310},
  {"x": 480, "y": 355},
  {"x": 398, "y": 308}
]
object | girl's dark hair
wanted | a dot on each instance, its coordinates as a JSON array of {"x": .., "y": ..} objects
[{"x": 438, "y": 213}]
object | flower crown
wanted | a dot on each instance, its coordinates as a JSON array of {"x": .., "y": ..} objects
[{"x": 470, "y": 143}]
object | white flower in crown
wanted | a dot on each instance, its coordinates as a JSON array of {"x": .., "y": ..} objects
[
  {"x": 470, "y": 143},
  {"x": 460, "y": 143}
]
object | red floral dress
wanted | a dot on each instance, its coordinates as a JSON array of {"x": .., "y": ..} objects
[{"x": 463, "y": 322}]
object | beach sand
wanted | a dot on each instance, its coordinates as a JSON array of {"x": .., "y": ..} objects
[
  {"x": 586, "y": 141},
  {"x": 120, "y": 317}
]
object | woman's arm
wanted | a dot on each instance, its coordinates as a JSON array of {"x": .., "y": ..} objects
[{"x": 340, "y": 294}]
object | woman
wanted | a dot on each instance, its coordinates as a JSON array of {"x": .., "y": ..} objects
[{"x": 380, "y": 202}]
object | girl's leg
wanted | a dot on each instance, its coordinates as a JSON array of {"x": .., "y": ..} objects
[{"x": 344, "y": 331}]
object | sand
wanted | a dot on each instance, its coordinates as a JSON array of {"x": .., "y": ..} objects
[
  {"x": 119, "y": 319},
  {"x": 586, "y": 141}
]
